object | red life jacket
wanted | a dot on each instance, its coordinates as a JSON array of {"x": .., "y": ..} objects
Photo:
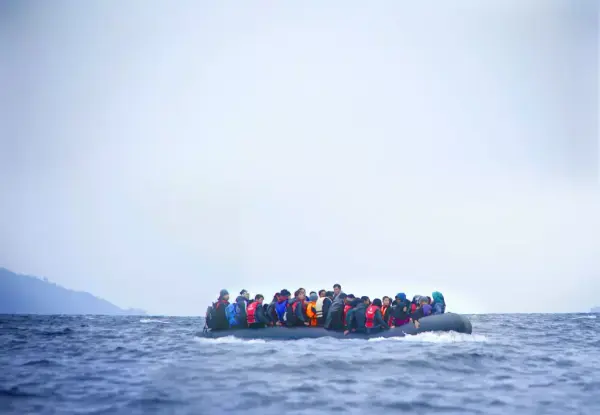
[
  {"x": 346, "y": 308},
  {"x": 370, "y": 316},
  {"x": 413, "y": 308},
  {"x": 251, "y": 311}
]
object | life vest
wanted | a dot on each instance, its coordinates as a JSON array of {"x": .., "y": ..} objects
[
  {"x": 370, "y": 316},
  {"x": 347, "y": 308},
  {"x": 413, "y": 308},
  {"x": 319, "y": 307},
  {"x": 383, "y": 310},
  {"x": 251, "y": 311},
  {"x": 311, "y": 313}
]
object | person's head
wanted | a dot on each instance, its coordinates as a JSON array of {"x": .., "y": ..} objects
[
  {"x": 300, "y": 295},
  {"x": 365, "y": 299},
  {"x": 401, "y": 297},
  {"x": 337, "y": 288},
  {"x": 415, "y": 299},
  {"x": 423, "y": 300},
  {"x": 311, "y": 293},
  {"x": 259, "y": 298},
  {"x": 276, "y": 297},
  {"x": 313, "y": 297},
  {"x": 351, "y": 296},
  {"x": 245, "y": 294},
  {"x": 224, "y": 295},
  {"x": 302, "y": 290},
  {"x": 386, "y": 301},
  {"x": 342, "y": 297},
  {"x": 377, "y": 302},
  {"x": 284, "y": 295},
  {"x": 437, "y": 297},
  {"x": 426, "y": 309},
  {"x": 322, "y": 293},
  {"x": 329, "y": 294}
]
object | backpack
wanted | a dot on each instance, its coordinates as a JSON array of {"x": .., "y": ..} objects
[
  {"x": 209, "y": 318},
  {"x": 232, "y": 312}
]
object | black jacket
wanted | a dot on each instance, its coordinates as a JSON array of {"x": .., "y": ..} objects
[
  {"x": 326, "y": 305},
  {"x": 220, "y": 318},
  {"x": 295, "y": 317},
  {"x": 398, "y": 310},
  {"x": 335, "y": 315}
]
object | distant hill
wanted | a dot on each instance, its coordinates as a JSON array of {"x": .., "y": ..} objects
[
  {"x": 595, "y": 310},
  {"x": 24, "y": 294}
]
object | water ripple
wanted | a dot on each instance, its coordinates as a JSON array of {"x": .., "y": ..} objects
[{"x": 126, "y": 365}]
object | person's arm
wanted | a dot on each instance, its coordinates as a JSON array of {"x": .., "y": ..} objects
[
  {"x": 416, "y": 316},
  {"x": 326, "y": 305},
  {"x": 379, "y": 321}
]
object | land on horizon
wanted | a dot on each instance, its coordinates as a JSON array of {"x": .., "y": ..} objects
[{"x": 26, "y": 294}]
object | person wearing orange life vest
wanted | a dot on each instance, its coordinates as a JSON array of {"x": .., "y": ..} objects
[
  {"x": 294, "y": 313},
  {"x": 386, "y": 308},
  {"x": 311, "y": 310},
  {"x": 373, "y": 318},
  {"x": 256, "y": 313}
]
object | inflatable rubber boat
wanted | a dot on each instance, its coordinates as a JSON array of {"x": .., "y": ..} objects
[{"x": 440, "y": 322}]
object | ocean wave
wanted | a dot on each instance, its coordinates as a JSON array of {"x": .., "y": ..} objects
[
  {"x": 152, "y": 320},
  {"x": 228, "y": 340},
  {"x": 437, "y": 337}
]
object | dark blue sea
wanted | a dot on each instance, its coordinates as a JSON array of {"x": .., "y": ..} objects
[{"x": 511, "y": 364}]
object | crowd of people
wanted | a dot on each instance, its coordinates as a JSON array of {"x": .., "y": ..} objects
[{"x": 333, "y": 310}]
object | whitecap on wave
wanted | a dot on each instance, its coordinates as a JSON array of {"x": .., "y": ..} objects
[
  {"x": 151, "y": 320},
  {"x": 590, "y": 317},
  {"x": 228, "y": 340},
  {"x": 437, "y": 337}
]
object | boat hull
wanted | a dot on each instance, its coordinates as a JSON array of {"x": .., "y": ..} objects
[{"x": 441, "y": 322}]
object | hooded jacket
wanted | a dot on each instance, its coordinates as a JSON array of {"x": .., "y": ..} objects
[
  {"x": 335, "y": 315},
  {"x": 439, "y": 304},
  {"x": 242, "y": 316},
  {"x": 355, "y": 319}
]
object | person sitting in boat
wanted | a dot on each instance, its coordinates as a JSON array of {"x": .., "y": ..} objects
[
  {"x": 335, "y": 315},
  {"x": 423, "y": 310},
  {"x": 311, "y": 309},
  {"x": 281, "y": 307},
  {"x": 256, "y": 313},
  {"x": 322, "y": 307},
  {"x": 295, "y": 315},
  {"x": 439, "y": 304},
  {"x": 374, "y": 321},
  {"x": 337, "y": 290},
  {"x": 347, "y": 306},
  {"x": 271, "y": 313},
  {"x": 415, "y": 303},
  {"x": 218, "y": 316},
  {"x": 237, "y": 311},
  {"x": 386, "y": 308},
  {"x": 355, "y": 318},
  {"x": 400, "y": 313}
]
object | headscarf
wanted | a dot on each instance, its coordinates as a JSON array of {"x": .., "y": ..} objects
[{"x": 438, "y": 297}]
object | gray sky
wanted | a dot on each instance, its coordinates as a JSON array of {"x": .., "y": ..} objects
[{"x": 155, "y": 152}]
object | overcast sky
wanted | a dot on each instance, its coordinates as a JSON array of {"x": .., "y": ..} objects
[{"x": 153, "y": 153}]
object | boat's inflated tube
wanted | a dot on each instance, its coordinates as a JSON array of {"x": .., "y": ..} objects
[{"x": 440, "y": 322}]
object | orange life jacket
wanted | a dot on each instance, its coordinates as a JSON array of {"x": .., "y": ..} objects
[
  {"x": 311, "y": 313},
  {"x": 251, "y": 312},
  {"x": 370, "y": 316}
]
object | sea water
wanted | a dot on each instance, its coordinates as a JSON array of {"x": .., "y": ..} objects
[{"x": 511, "y": 364}]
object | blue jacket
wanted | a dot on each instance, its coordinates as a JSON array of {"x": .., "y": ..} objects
[{"x": 438, "y": 308}]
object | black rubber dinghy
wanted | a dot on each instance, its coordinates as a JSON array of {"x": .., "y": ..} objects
[{"x": 440, "y": 322}]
